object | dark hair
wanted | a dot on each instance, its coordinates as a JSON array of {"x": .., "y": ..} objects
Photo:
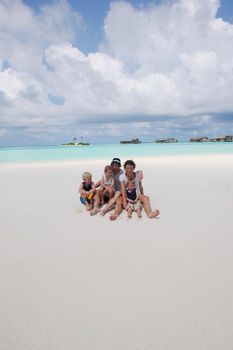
[
  {"x": 129, "y": 162},
  {"x": 116, "y": 161}
]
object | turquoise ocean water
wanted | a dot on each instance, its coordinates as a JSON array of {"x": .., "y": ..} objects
[{"x": 100, "y": 151}]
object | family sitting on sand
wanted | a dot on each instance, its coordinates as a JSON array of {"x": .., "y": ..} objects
[{"x": 119, "y": 189}]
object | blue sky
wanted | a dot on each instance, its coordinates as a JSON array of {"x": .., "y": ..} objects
[
  {"x": 111, "y": 70},
  {"x": 94, "y": 12}
]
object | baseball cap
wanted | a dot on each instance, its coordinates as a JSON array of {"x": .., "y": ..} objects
[{"x": 116, "y": 161}]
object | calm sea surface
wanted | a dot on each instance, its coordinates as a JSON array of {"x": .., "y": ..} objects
[{"x": 61, "y": 153}]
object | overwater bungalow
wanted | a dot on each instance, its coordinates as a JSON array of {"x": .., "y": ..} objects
[
  {"x": 199, "y": 139},
  {"x": 228, "y": 138},
  {"x": 218, "y": 139},
  {"x": 134, "y": 141},
  {"x": 167, "y": 140}
]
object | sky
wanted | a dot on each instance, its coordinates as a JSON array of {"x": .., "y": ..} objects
[{"x": 111, "y": 70}]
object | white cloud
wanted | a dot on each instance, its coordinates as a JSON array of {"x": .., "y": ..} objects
[{"x": 169, "y": 59}]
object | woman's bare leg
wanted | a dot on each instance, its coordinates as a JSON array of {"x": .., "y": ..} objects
[{"x": 146, "y": 205}]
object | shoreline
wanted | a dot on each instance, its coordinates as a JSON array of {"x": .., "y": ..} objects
[{"x": 162, "y": 159}]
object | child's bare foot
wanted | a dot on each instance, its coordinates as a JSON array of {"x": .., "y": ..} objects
[
  {"x": 154, "y": 214},
  {"x": 89, "y": 206}
]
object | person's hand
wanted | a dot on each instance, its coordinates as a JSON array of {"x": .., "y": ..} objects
[
  {"x": 124, "y": 204},
  {"x": 140, "y": 175}
]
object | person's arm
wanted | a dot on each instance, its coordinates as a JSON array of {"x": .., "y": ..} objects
[
  {"x": 102, "y": 182},
  {"x": 140, "y": 177},
  {"x": 123, "y": 192},
  {"x": 93, "y": 188},
  {"x": 97, "y": 184},
  {"x": 141, "y": 188},
  {"x": 138, "y": 196},
  {"x": 112, "y": 183},
  {"x": 122, "y": 180},
  {"x": 81, "y": 189}
]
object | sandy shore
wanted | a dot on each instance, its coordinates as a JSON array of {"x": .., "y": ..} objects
[{"x": 71, "y": 281}]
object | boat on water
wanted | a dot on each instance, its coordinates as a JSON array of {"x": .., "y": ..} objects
[{"x": 134, "y": 141}]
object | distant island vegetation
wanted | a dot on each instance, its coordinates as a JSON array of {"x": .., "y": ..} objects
[{"x": 75, "y": 143}]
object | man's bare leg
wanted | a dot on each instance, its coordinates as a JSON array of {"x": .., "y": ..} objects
[
  {"x": 110, "y": 204},
  {"x": 111, "y": 193},
  {"x": 146, "y": 205},
  {"x": 118, "y": 209}
]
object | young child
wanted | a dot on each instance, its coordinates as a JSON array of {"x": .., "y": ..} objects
[
  {"x": 86, "y": 190},
  {"x": 106, "y": 184},
  {"x": 132, "y": 197}
]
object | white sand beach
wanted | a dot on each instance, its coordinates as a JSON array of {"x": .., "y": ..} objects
[{"x": 71, "y": 281}]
